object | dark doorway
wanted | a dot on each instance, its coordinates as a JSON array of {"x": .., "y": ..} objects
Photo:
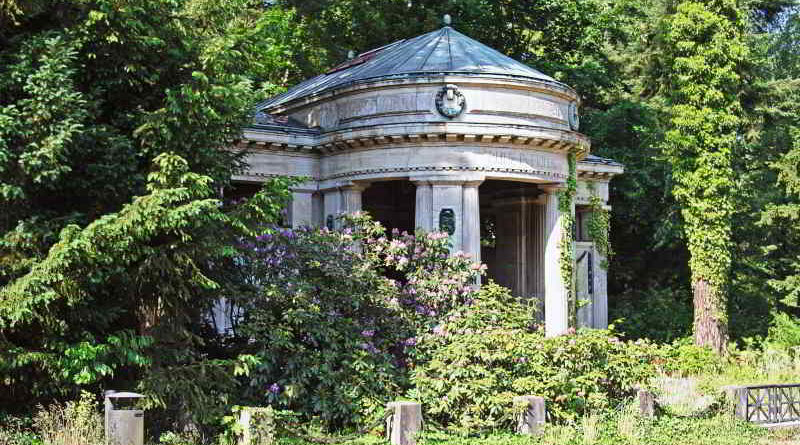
[{"x": 391, "y": 203}]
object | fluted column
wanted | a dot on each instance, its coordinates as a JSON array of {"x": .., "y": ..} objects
[
  {"x": 600, "y": 304},
  {"x": 342, "y": 200},
  {"x": 556, "y": 311},
  {"x": 471, "y": 226},
  {"x": 423, "y": 210},
  {"x": 351, "y": 198}
]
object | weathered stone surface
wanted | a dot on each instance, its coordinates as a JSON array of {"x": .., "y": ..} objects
[
  {"x": 532, "y": 419},
  {"x": 405, "y": 423},
  {"x": 647, "y": 403}
]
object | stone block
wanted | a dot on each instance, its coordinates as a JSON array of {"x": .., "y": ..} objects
[
  {"x": 405, "y": 423},
  {"x": 647, "y": 403},
  {"x": 532, "y": 418}
]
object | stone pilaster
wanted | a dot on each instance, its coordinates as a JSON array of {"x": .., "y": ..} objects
[
  {"x": 301, "y": 209},
  {"x": 448, "y": 200},
  {"x": 331, "y": 208},
  {"x": 423, "y": 209},
  {"x": 556, "y": 312}
]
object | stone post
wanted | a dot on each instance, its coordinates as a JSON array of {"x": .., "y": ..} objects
[
  {"x": 423, "y": 212},
  {"x": 532, "y": 419},
  {"x": 556, "y": 312},
  {"x": 471, "y": 225},
  {"x": 647, "y": 402},
  {"x": 405, "y": 423}
]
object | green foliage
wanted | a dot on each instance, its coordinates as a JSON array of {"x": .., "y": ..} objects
[
  {"x": 704, "y": 47},
  {"x": 784, "y": 332},
  {"x": 641, "y": 314},
  {"x": 599, "y": 228},
  {"x": 468, "y": 369},
  {"x": 682, "y": 358},
  {"x": 566, "y": 245}
]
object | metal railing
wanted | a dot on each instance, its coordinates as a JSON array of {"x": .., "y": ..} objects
[{"x": 769, "y": 403}]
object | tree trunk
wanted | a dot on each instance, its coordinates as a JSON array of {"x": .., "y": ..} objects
[{"x": 710, "y": 321}]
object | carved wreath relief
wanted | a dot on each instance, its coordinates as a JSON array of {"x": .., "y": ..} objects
[
  {"x": 450, "y": 102},
  {"x": 572, "y": 115}
]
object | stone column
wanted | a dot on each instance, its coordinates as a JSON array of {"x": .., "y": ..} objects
[
  {"x": 423, "y": 210},
  {"x": 351, "y": 198},
  {"x": 341, "y": 200},
  {"x": 600, "y": 303},
  {"x": 471, "y": 221},
  {"x": 556, "y": 312},
  {"x": 301, "y": 209}
]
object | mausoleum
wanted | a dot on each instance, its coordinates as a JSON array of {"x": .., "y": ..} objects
[{"x": 441, "y": 132}]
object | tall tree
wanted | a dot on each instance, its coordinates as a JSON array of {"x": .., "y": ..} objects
[{"x": 704, "y": 50}]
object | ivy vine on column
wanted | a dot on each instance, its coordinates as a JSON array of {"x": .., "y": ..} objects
[
  {"x": 566, "y": 245},
  {"x": 599, "y": 228}
]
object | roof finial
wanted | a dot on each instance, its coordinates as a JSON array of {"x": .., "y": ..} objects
[
  {"x": 447, "y": 20},
  {"x": 351, "y": 54}
]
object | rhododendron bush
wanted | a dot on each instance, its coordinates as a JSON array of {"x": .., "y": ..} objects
[
  {"x": 332, "y": 330},
  {"x": 469, "y": 367}
]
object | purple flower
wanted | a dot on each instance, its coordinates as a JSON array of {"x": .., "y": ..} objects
[
  {"x": 411, "y": 341},
  {"x": 367, "y": 333},
  {"x": 369, "y": 347},
  {"x": 275, "y": 388}
]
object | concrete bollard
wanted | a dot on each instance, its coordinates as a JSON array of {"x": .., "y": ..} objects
[
  {"x": 532, "y": 418},
  {"x": 647, "y": 403},
  {"x": 405, "y": 423}
]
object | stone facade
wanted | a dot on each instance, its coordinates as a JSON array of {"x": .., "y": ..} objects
[{"x": 494, "y": 159}]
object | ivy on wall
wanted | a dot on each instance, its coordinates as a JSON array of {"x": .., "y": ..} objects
[
  {"x": 599, "y": 227},
  {"x": 566, "y": 245}
]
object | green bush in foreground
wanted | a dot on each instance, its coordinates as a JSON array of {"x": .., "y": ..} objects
[
  {"x": 469, "y": 368},
  {"x": 619, "y": 428}
]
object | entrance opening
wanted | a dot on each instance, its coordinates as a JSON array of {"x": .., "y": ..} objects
[
  {"x": 512, "y": 236},
  {"x": 391, "y": 203}
]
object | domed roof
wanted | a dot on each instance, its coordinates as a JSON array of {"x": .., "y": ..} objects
[{"x": 444, "y": 51}]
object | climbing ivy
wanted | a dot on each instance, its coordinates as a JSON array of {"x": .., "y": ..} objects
[
  {"x": 566, "y": 245},
  {"x": 704, "y": 50},
  {"x": 599, "y": 227}
]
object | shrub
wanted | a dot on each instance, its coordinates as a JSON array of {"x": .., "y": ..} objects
[
  {"x": 17, "y": 431},
  {"x": 641, "y": 314},
  {"x": 74, "y": 423},
  {"x": 784, "y": 332},
  {"x": 330, "y": 329},
  {"x": 684, "y": 358},
  {"x": 469, "y": 367}
]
